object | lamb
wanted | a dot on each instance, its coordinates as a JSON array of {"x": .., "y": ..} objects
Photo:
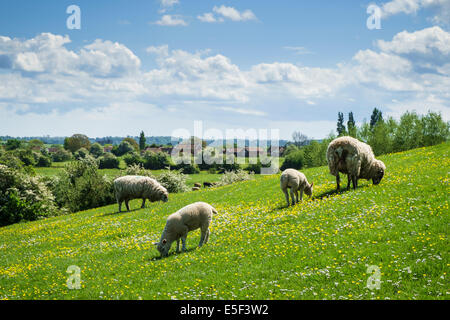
[
  {"x": 295, "y": 181},
  {"x": 354, "y": 158},
  {"x": 135, "y": 187},
  {"x": 195, "y": 189},
  {"x": 207, "y": 184},
  {"x": 197, "y": 185},
  {"x": 191, "y": 217}
]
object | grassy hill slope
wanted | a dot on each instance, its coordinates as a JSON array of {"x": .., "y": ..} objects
[{"x": 258, "y": 249}]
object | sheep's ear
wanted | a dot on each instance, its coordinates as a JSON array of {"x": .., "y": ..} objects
[
  {"x": 164, "y": 241},
  {"x": 155, "y": 243},
  {"x": 312, "y": 183}
]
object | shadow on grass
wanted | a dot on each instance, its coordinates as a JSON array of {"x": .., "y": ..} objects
[
  {"x": 120, "y": 212},
  {"x": 172, "y": 253}
]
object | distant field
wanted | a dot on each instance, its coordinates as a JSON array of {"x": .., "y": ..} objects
[
  {"x": 191, "y": 178},
  {"x": 258, "y": 249}
]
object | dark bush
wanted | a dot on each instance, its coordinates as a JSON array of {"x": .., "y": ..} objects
[
  {"x": 44, "y": 161},
  {"x": 109, "y": 161},
  {"x": 294, "y": 160},
  {"x": 156, "y": 161},
  {"x": 62, "y": 155}
]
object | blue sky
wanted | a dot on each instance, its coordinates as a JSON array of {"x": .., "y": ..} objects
[{"x": 159, "y": 65}]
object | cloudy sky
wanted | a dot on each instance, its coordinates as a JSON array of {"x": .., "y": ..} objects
[{"x": 159, "y": 65}]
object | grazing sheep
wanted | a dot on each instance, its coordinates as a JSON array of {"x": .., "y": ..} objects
[
  {"x": 207, "y": 184},
  {"x": 295, "y": 181},
  {"x": 354, "y": 158},
  {"x": 195, "y": 189},
  {"x": 191, "y": 217},
  {"x": 137, "y": 187},
  {"x": 197, "y": 185}
]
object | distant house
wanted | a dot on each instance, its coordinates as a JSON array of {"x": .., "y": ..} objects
[
  {"x": 183, "y": 147},
  {"x": 155, "y": 150},
  {"x": 52, "y": 150},
  {"x": 107, "y": 148}
]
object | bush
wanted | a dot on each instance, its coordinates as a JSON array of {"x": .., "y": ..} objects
[
  {"x": 81, "y": 186},
  {"x": 23, "y": 197},
  {"x": 26, "y": 156},
  {"x": 81, "y": 153},
  {"x": 96, "y": 150},
  {"x": 44, "y": 161},
  {"x": 173, "y": 181},
  {"x": 156, "y": 161},
  {"x": 109, "y": 161},
  {"x": 230, "y": 177},
  {"x": 123, "y": 148},
  {"x": 62, "y": 155},
  {"x": 294, "y": 160},
  {"x": 10, "y": 160},
  {"x": 133, "y": 159}
]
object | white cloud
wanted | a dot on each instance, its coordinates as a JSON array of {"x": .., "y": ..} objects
[
  {"x": 209, "y": 17},
  {"x": 167, "y": 4},
  {"x": 222, "y": 13},
  {"x": 423, "y": 41},
  {"x": 171, "y": 21},
  {"x": 441, "y": 7}
]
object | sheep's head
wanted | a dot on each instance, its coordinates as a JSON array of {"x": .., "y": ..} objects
[
  {"x": 163, "y": 247},
  {"x": 309, "y": 189},
  {"x": 378, "y": 170},
  {"x": 164, "y": 196}
]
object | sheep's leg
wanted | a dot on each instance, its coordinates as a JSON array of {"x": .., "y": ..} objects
[
  {"x": 143, "y": 203},
  {"x": 205, "y": 229},
  {"x": 120, "y": 206},
  {"x": 287, "y": 196},
  {"x": 355, "y": 182},
  {"x": 292, "y": 196},
  {"x": 338, "y": 181},
  {"x": 178, "y": 245},
  {"x": 348, "y": 183},
  {"x": 301, "y": 195},
  {"x": 126, "y": 204},
  {"x": 183, "y": 239},
  {"x": 206, "y": 237}
]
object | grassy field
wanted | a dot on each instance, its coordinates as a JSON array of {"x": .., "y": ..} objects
[{"x": 258, "y": 249}]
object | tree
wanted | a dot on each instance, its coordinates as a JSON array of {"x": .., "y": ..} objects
[
  {"x": 351, "y": 125},
  {"x": 142, "y": 141},
  {"x": 76, "y": 142},
  {"x": 123, "y": 148},
  {"x": 435, "y": 130},
  {"x": 340, "y": 125},
  {"x": 376, "y": 117},
  {"x": 13, "y": 144},
  {"x": 133, "y": 143},
  {"x": 96, "y": 150},
  {"x": 299, "y": 139}
]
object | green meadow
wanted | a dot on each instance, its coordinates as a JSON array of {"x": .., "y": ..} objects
[{"x": 323, "y": 248}]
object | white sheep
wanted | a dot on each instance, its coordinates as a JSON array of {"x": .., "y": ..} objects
[
  {"x": 191, "y": 217},
  {"x": 354, "y": 158},
  {"x": 137, "y": 187},
  {"x": 295, "y": 181}
]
